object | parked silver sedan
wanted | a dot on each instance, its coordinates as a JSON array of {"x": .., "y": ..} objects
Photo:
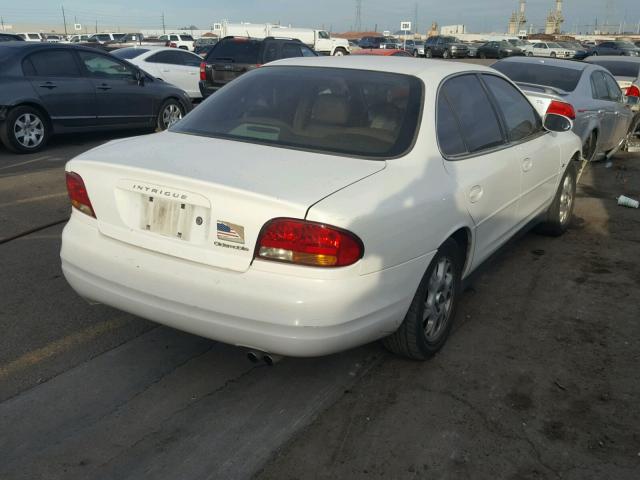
[{"x": 588, "y": 92}]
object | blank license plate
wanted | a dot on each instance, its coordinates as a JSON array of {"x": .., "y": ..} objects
[{"x": 167, "y": 217}]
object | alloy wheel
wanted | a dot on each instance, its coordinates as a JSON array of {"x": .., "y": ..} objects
[
  {"x": 566, "y": 199},
  {"x": 439, "y": 301},
  {"x": 28, "y": 130},
  {"x": 171, "y": 114}
]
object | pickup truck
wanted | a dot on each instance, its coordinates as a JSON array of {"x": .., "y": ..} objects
[{"x": 234, "y": 56}]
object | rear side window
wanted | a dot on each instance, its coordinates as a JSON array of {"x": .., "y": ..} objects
[
  {"x": 536, "y": 73},
  {"x": 186, "y": 38},
  {"x": 189, "y": 59},
  {"x": 615, "y": 93},
  {"x": 237, "y": 50},
  {"x": 476, "y": 116},
  {"x": 520, "y": 118},
  {"x": 599, "y": 86},
  {"x": 449, "y": 136},
  {"x": 51, "y": 63},
  {"x": 328, "y": 110}
]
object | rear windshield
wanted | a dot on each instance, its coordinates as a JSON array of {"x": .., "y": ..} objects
[
  {"x": 237, "y": 50},
  {"x": 129, "y": 53},
  {"x": 352, "y": 112},
  {"x": 620, "y": 69},
  {"x": 557, "y": 77}
]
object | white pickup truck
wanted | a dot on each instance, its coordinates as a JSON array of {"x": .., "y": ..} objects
[{"x": 320, "y": 40}]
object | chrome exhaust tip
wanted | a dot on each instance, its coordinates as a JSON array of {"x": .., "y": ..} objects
[
  {"x": 254, "y": 357},
  {"x": 271, "y": 359}
]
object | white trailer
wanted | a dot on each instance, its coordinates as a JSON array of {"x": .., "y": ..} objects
[{"x": 320, "y": 40}]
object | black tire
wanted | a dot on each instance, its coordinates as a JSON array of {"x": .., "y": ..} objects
[
  {"x": 483, "y": 56},
  {"x": 446, "y": 55},
  {"x": 167, "y": 113},
  {"x": 552, "y": 54},
  {"x": 590, "y": 147},
  {"x": 37, "y": 133},
  {"x": 594, "y": 54},
  {"x": 529, "y": 54},
  {"x": 339, "y": 52},
  {"x": 411, "y": 339},
  {"x": 555, "y": 224},
  {"x": 428, "y": 54},
  {"x": 415, "y": 53}
]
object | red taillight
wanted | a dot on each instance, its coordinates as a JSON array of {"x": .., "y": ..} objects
[
  {"x": 173, "y": 45},
  {"x": 562, "y": 108},
  {"x": 308, "y": 243},
  {"x": 203, "y": 71},
  {"x": 633, "y": 91},
  {"x": 78, "y": 194}
]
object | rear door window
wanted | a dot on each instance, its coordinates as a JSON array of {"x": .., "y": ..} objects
[
  {"x": 449, "y": 135},
  {"x": 520, "y": 117},
  {"x": 599, "y": 86},
  {"x": 291, "y": 50},
  {"x": 620, "y": 69},
  {"x": 615, "y": 93},
  {"x": 170, "y": 57},
  {"x": 99, "y": 65},
  {"x": 51, "y": 63},
  {"x": 474, "y": 111}
]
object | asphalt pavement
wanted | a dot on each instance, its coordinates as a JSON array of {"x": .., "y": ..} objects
[{"x": 539, "y": 379}]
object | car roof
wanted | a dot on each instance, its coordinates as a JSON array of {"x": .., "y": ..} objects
[
  {"x": 402, "y": 65},
  {"x": 613, "y": 58},
  {"x": 554, "y": 62}
]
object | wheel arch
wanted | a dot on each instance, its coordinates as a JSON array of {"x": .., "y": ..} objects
[{"x": 463, "y": 236}]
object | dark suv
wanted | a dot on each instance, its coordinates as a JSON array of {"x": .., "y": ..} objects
[
  {"x": 445, "y": 47},
  {"x": 371, "y": 42},
  {"x": 233, "y": 56},
  {"x": 9, "y": 37}
]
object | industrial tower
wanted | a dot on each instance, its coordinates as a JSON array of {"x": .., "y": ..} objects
[
  {"x": 555, "y": 20},
  {"x": 518, "y": 19},
  {"x": 358, "y": 26}
]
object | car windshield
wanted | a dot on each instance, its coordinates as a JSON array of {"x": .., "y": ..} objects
[
  {"x": 238, "y": 50},
  {"x": 328, "y": 110},
  {"x": 129, "y": 53},
  {"x": 536, "y": 73},
  {"x": 620, "y": 69}
]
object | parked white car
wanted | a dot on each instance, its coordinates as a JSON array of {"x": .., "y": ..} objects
[
  {"x": 32, "y": 37},
  {"x": 548, "y": 49},
  {"x": 175, "y": 66},
  {"x": 317, "y": 204},
  {"x": 181, "y": 41},
  {"x": 104, "y": 37},
  {"x": 78, "y": 39}
]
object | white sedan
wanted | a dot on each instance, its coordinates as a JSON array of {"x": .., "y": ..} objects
[
  {"x": 548, "y": 49},
  {"x": 176, "y": 66},
  {"x": 317, "y": 204}
]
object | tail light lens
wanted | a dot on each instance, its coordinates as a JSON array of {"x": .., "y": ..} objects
[
  {"x": 633, "y": 91},
  {"x": 308, "y": 243},
  {"x": 203, "y": 71},
  {"x": 173, "y": 45},
  {"x": 78, "y": 194},
  {"x": 562, "y": 108}
]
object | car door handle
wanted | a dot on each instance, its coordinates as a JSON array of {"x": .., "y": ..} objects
[
  {"x": 104, "y": 86},
  {"x": 475, "y": 194},
  {"x": 49, "y": 85},
  {"x": 527, "y": 164}
]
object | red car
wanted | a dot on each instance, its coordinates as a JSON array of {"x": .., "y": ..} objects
[{"x": 383, "y": 52}]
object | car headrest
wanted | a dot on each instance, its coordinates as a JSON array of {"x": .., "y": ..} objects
[{"x": 330, "y": 110}]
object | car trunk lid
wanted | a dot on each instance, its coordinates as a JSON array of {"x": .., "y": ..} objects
[{"x": 202, "y": 199}]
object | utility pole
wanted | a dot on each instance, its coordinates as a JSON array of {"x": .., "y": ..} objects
[
  {"x": 96, "y": 25},
  {"x": 415, "y": 18},
  {"x": 2, "y": 23},
  {"x": 64, "y": 19},
  {"x": 164, "y": 27},
  {"x": 358, "y": 15}
]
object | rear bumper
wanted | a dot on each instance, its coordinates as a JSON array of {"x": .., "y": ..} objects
[
  {"x": 206, "y": 89},
  {"x": 283, "y": 314}
]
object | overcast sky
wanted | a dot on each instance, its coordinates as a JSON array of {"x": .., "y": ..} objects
[{"x": 478, "y": 15}]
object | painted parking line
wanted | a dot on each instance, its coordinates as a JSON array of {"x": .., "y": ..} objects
[
  {"x": 59, "y": 346},
  {"x": 33, "y": 199},
  {"x": 26, "y": 162}
]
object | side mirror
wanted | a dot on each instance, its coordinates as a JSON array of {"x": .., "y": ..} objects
[
  {"x": 140, "y": 77},
  {"x": 631, "y": 101},
  {"x": 557, "y": 123}
]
